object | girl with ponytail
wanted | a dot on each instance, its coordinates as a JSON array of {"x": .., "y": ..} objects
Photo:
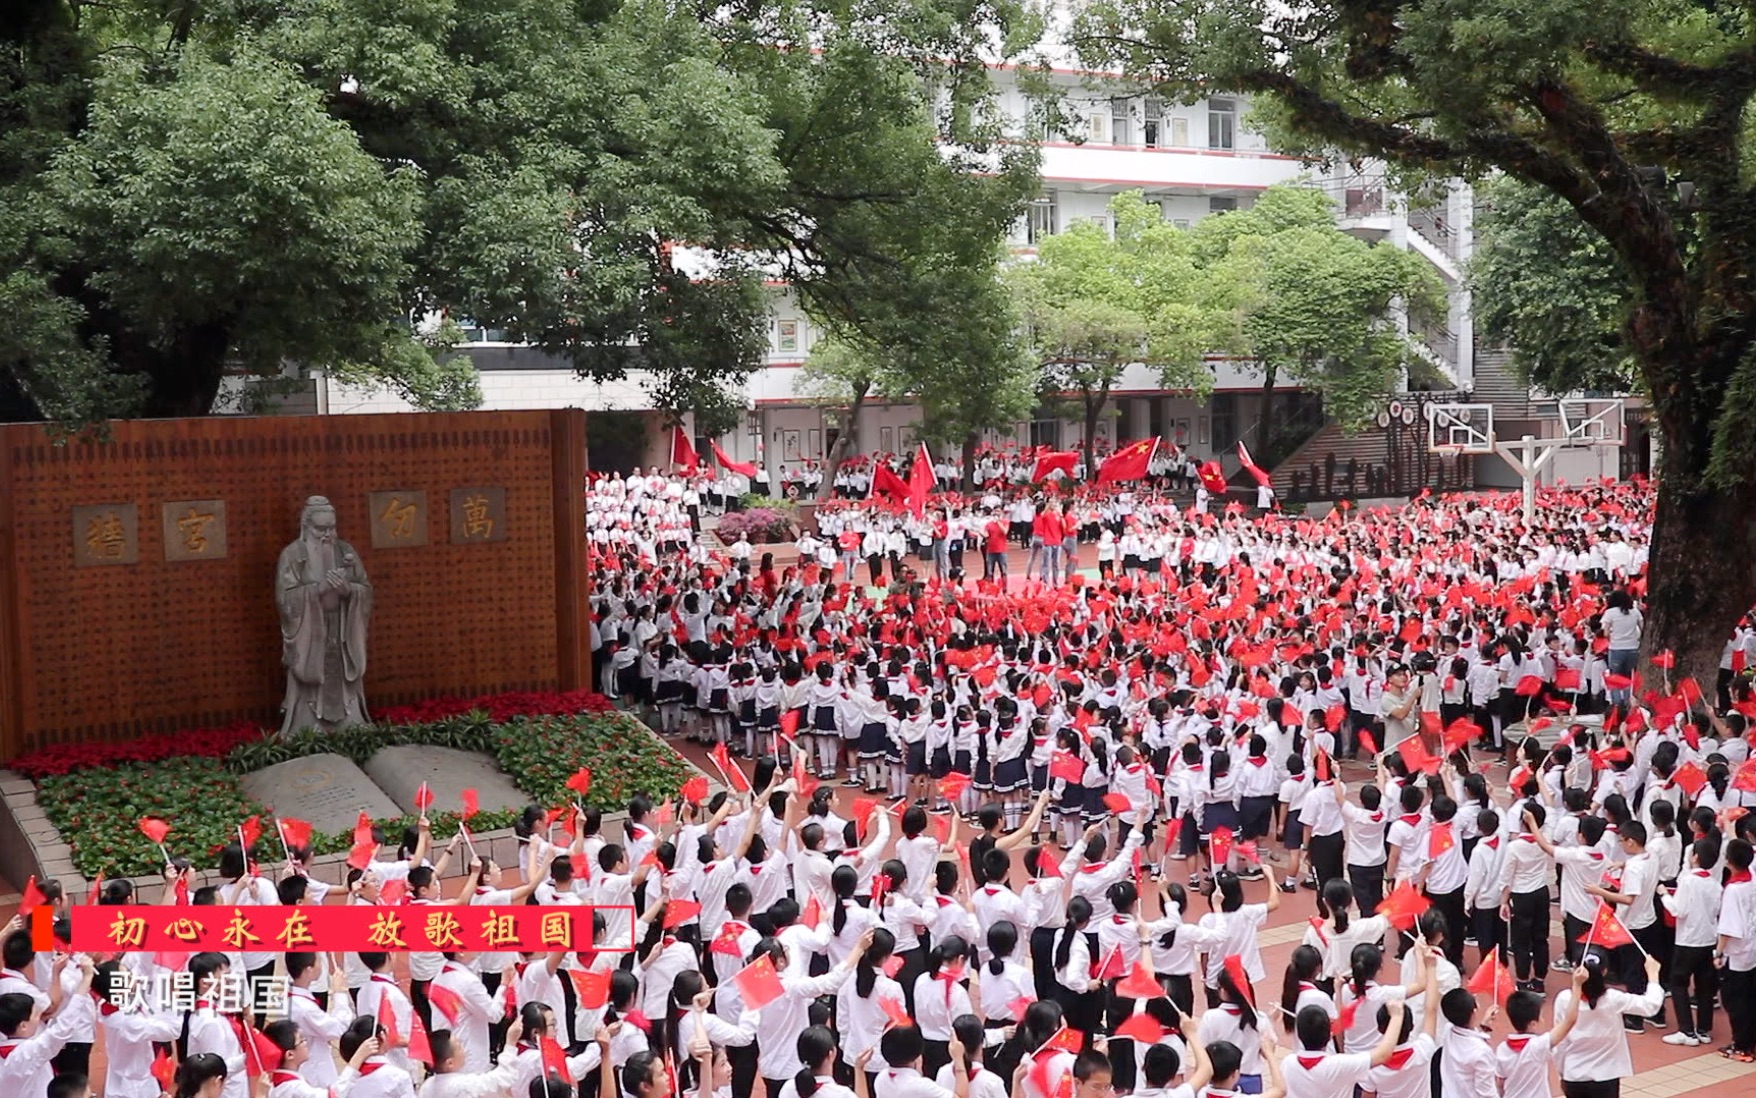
[
  {"x": 1080, "y": 999},
  {"x": 202, "y": 1075},
  {"x": 1176, "y": 946},
  {"x": 905, "y": 919},
  {"x": 1362, "y": 988},
  {"x": 941, "y": 998},
  {"x": 688, "y": 992},
  {"x": 817, "y": 1051},
  {"x": 1238, "y": 1023},
  {"x": 847, "y": 919},
  {"x": 1300, "y": 989},
  {"x": 858, "y": 1010},
  {"x": 1336, "y": 937}
]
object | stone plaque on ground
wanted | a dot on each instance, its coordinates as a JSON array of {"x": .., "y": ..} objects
[
  {"x": 399, "y": 771},
  {"x": 327, "y": 790}
]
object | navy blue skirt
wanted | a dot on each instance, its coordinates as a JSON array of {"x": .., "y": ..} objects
[
  {"x": 874, "y": 740},
  {"x": 915, "y": 762},
  {"x": 940, "y": 764},
  {"x": 1039, "y": 778},
  {"x": 667, "y": 692},
  {"x": 1218, "y": 815},
  {"x": 823, "y": 719},
  {"x": 747, "y": 712},
  {"x": 1072, "y": 799},
  {"x": 1010, "y": 775}
]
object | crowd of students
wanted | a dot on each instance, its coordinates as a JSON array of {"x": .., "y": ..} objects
[{"x": 1070, "y": 811}]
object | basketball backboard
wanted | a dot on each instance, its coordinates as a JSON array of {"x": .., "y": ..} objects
[
  {"x": 1460, "y": 428},
  {"x": 1591, "y": 422}
]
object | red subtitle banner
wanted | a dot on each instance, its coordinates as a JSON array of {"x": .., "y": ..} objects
[{"x": 351, "y": 929}]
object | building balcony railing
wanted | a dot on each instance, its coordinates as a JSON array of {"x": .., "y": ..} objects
[{"x": 1431, "y": 223}]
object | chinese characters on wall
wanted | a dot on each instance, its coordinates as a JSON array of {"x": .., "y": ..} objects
[{"x": 195, "y": 529}]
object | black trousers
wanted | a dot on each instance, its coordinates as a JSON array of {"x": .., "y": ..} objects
[
  {"x": 1489, "y": 930},
  {"x": 1631, "y": 963},
  {"x": 743, "y": 1061},
  {"x": 1738, "y": 993},
  {"x": 1326, "y": 853},
  {"x": 1572, "y": 930},
  {"x": 1368, "y": 882},
  {"x": 1693, "y": 965},
  {"x": 1530, "y": 934},
  {"x": 1450, "y": 904},
  {"x": 1608, "y": 1088}
]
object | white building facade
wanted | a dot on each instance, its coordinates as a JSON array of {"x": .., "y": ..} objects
[{"x": 1193, "y": 161}]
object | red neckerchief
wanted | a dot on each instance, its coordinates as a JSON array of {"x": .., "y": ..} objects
[
  {"x": 1494, "y": 843},
  {"x": 279, "y": 1077},
  {"x": 1258, "y": 760},
  {"x": 950, "y": 978},
  {"x": 1702, "y": 873},
  {"x": 1737, "y": 876},
  {"x": 1311, "y": 1060},
  {"x": 369, "y": 1067},
  {"x": 1399, "y": 1058},
  {"x": 1517, "y": 1041}
]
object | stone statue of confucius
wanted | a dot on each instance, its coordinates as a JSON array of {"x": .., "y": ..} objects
[{"x": 325, "y": 602}]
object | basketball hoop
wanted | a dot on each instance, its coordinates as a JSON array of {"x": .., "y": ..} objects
[{"x": 1448, "y": 454}]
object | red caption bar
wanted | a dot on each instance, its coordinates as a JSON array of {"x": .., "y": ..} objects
[{"x": 351, "y": 929}]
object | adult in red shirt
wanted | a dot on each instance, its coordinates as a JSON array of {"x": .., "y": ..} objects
[{"x": 994, "y": 549}]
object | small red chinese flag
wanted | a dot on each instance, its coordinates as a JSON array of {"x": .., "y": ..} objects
[
  {"x": 252, "y": 831},
  {"x": 759, "y": 983},
  {"x": 678, "y": 912},
  {"x": 580, "y": 782},
  {"x": 471, "y": 804},
  {"x": 1404, "y": 905},
  {"x": 424, "y": 797},
  {"x": 1142, "y": 1028},
  {"x": 387, "y": 1021},
  {"x": 1111, "y": 968},
  {"x": 1240, "y": 979},
  {"x": 896, "y": 1012},
  {"x": 1334, "y": 716},
  {"x": 1138, "y": 984},
  {"x": 296, "y": 832},
  {"x": 361, "y": 855},
  {"x": 1344, "y": 1018},
  {"x": 1066, "y": 766},
  {"x": 362, "y": 829},
  {"x": 1367, "y": 742},
  {"x": 1440, "y": 839},
  {"x": 420, "y": 1049},
  {"x": 1745, "y": 779},
  {"x": 952, "y": 785},
  {"x": 164, "y": 1069},
  {"x": 1220, "y": 845},
  {"x": 445, "y": 1000},
  {"x": 695, "y": 789},
  {"x": 591, "y": 986},
  {"x": 393, "y": 892},
  {"x": 729, "y": 769},
  {"x": 555, "y": 1059},
  {"x": 789, "y": 724},
  {"x": 154, "y": 829},
  {"x": 814, "y": 912},
  {"x": 1689, "y": 778},
  {"x": 1606, "y": 930},
  {"x": 32, "y": 899},
  {"x": 726, "y": 945},
  {"x": 1492, "y": 978},
  {"x": 1416, "y": 755},
  {"x": 1066, "y": 1039}
]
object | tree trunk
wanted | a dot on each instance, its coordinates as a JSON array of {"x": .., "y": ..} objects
[
  {"x": 1263, "y": 451},
  {"x": 1094, "y": 403},
  {"x": 844, "y": 444},
  {"x": 1700, "y": 575}
]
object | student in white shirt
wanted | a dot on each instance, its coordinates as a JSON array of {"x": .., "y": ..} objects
[
  {"x": 982, "y": 1082},
  {"x": 27, "y": 1044},
  {"x": 288, "y": 1081},
  {"x": 1522, "y": 1062},
  {"x": 128, "y": 1038},
  {"x": 901, "y": 1049},
  {"x": 378, "y": 1077},
  {"x": 1596, "y": 1052},
  {"x": 1316, "y": 1072},
  {"x": 1694, "y": 902},
  {"x": 1408, "y": 1073},
  {"x": 451, "y": 1079},
  {"x": 817, "y": 1051}
]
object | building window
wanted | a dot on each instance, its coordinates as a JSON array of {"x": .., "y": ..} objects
[
  {"x": 1152, "y": 130},
  {"x": 1225, "y": 421},
  {"x": 1045, "y": 430},
  {"x": 1180, "y": 133},
  {"x": 1222, "y": 123},
  {"x": 1040, "y": 222},
  {"x": 1121, "y": 123},
  {"x": 1097, "y": 127},
  {"x": 787, "y": 336},
  {"x": 1221, "y": 204}
]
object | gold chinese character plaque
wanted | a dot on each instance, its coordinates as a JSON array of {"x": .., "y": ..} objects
[
  {"x": 399, "y": 519},
  {"x": 195, "y": 529},
  {"x": 106, "y": 533},
  {"x": 478, "y": 515}
]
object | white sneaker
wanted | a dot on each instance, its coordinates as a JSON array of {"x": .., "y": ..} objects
[{"x": 1681, "y": 1038}]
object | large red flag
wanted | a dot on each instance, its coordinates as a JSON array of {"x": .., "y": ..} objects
[
  {"x": 1213, "y": 478},
  {"x": 886, "y": 481},
  {"x": 683, "y": 455},
  {"x": 1250, "y": 465},
  {"x": 920, "y": 481},
  {"x": 1492, "y": 978},
  {"x": 1051, "y": 461},
  {"x": 1128, "y": 463},
  {"x": 742, "y": 468},
  {"x": 1403, "y": 906}
]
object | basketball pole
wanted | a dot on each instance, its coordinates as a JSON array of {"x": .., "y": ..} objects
[{"x": 1527, "y": 457}]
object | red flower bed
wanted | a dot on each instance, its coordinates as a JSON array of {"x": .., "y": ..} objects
[{"x": 219, "y": 742}]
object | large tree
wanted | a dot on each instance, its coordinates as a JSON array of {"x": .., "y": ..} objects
[
  {"x": 1550, "y": 288},
  {"x": 197, "y": 188},
  {"x": 1633, "y": 112},
  {"x": 1316, "y": 306},
  {"x": 1096, "y": 302}
]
